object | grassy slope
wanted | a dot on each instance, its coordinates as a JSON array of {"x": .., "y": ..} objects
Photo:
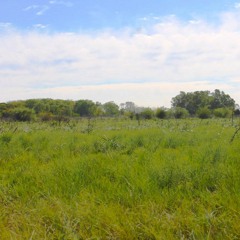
[{"x": 159, "y": 180}]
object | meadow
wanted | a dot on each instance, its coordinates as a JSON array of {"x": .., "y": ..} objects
[{"x": 120, "y": 179}]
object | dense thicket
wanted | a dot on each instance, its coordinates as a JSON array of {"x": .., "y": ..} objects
[
  {"x": 203, "y": 100},
  {"x": 202, "y": 104},
  {"x": 50, "y": 109}
]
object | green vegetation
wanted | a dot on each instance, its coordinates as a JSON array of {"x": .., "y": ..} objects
[
  {"x": 197, "y": 101},
  {"x": 203, "y": 113},
  {"x": 118, "y": 179},
  {"x": 201, "y": 104}
]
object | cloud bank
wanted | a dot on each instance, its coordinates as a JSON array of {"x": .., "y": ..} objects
[{"x": 148, "y": 66}]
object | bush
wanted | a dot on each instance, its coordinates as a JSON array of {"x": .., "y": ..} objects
[
  {"x": 161, "y": 113},
  {"x": 203, "y": 113},
  {"x": 129, "y": 115},
  {"x": 147, "y": 113},
  {"x": 222, "y": 112},
  {"x": 46, "y": 116},
  {"x": 237, "y": 112},
  {"x": 21, "y": 114},
  {"x": 179, "y": 112}
]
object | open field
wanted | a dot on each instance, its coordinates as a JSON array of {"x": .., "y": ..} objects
[{"x": 115, "y": 179}]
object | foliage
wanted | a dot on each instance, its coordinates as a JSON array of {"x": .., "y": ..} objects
[
  {"x": 128, "y": 107},
  {"x": 46, "y": 116},
  {"x": 38, "y": 105},
  {"x": 161, "y": 113},
  {"x": 130, "y": 115},
  {"x": 110, "y": 109},
  {"x": 21, "y": 114},
  {"x": 85, "y": 108},
  {"x": 183, "y": 105},
  {"x": 237, "y": 111},
  {"x": 222, "y": 112},
  {"x": 3, "y": 107},
  {"x": 221, "y": 100},
  {"x": 146, "y": 113},
  {"x": 193, "y": 101},
  {"x": 179, "y": 112},
  {"x": 204, "y": 113}
]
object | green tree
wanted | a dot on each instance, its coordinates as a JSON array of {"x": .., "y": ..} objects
[
  {"x": 222, "y": 112},
  {"x": 99, "y": 111},
  {"x": 85, "y": 108},
  {"x": 110, "y": 109},
  {"x": 161, "y": 113},
  {"x": 221, "y": 100},
  {"x": 128, "y": 107},
  {"x": 237, "y": 110},
  {"x": 15, "y": 104},
  {"x": 46, "y": 116},
  {"x": 204, "y": 113},
  {"x": 38, "y": 105},
  {"x": 179, "y": 112},
  {"x": 193, "y": 101},
  {"x": 147, "y": 113},
  {"x": 22, "y": 114},
  {"x": 3, "y": 107}
]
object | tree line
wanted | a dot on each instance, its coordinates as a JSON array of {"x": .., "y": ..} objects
[{"x": 202, "y": 104}]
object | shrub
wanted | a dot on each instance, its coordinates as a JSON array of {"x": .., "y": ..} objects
[
  {"x": 237, "y": 112},
  {"x": 222, "y": 112},
  {"x": 204, "y": 113},
  {"x": 161, "y": 113},
  {"x": 46, "y": 116},
  {"x": 147, "y": 113},
  {"x": 179, "y": 112},
  {"x": 21, "y": 114}
]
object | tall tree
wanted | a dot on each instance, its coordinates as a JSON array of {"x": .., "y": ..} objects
[
  {"x": 128, "y": 107},
  {"x": 221, "y": 100},
  {"x": 85, "y": 108},
  {"x": 110, "y": 108},
  {"x": 192, "y": 101}
]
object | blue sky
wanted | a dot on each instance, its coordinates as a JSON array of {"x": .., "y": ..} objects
[
  {"x": 75, "y": 15},
  {"x": 141, "y": 51}
]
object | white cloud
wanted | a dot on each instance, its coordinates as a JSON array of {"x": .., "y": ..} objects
[
  {"x": 148, "y": 67},
  {"x": 42, "y": 10},
  {"x": 31, "y": 7},
  {"x": 39, "y": 26},
  {"x": 64, "y": 3},
  {"x": 5, "y": 25},
  {"x": 237, "y": 5},
  {"x": 39, "y": 9}
]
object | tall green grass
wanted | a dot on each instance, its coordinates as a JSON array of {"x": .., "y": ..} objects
[{"x": 160, "y": 180}]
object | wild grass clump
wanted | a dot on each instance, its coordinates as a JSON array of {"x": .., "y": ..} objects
[{"x": 164, "y": 179}]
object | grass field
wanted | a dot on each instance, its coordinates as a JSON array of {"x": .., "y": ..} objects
[{"x": 115, "y": 179}]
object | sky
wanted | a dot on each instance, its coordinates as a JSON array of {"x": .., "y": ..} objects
[{"x": 111, "y": 50}]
